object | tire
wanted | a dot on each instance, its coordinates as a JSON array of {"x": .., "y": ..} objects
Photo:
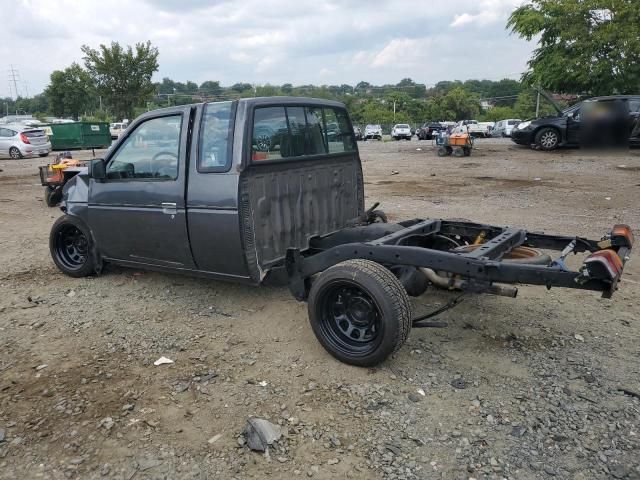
[
  {"x": 43, "y": 154},
  {"x": 467, "y": 151},
  {"x": 458, "y": 152},
  {"x": 15, "y": 153},
  {"x": 52, "y": 196},
  {"x": 359, "y": 312},
  {"x": 443, "y": 152},
  {"x": 547, "y": 139},
  {"x": 71, "y": 247},
  {"x": 413, "y": 280}
]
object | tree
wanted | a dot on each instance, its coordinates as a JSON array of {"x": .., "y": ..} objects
[
  {"x": 70, "y": 91},
  {"x": 457, "y": 104},
  {"x": 584, "y": 46},
  {"x": 123, "y": 76}
]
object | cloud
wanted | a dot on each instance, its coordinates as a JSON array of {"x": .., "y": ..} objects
[{"x": 275, "y": 42}]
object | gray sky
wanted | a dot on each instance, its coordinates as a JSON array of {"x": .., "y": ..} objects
[{"x": 279, "y": 41}]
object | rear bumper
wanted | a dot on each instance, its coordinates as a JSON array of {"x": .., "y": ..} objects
[{"x": 28, "y": 150}]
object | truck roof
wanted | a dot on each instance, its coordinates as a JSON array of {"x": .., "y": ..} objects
[{"x": 276, "y": 100}]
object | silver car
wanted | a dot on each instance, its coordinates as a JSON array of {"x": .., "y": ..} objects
[{"x": 19, "y": 141}]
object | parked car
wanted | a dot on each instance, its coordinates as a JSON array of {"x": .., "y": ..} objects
[
  {"x": 474, "y": 128},
  {"x": 116, "y": 129},
  {"x": 486, "y": 128},
  {"x": 503, "y": 128},
  {"x": 428, "y": 130},
  {"x": 372, "y": 132},
  {"x": 20, "y": 141},
  {"x": 205, "y": 199},
  {"x": 400, "y": 131},
  {"x": 357, "y": 133},
  {"x": 573, "y": 126}
]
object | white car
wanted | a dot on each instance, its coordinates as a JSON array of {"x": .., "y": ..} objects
[
  {"x": 117, "y": 129},
  {"x": 401, "y": 130},
  {"x": 20, "y": 141},
  {"x": 372, "y": 131},
  {"x": 503, "y": 128}
]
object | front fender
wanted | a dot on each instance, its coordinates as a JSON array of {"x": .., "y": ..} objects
[{"x": 75, "y": 196}]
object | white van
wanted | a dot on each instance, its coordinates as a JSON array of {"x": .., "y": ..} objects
[{"x": 503, "y": 128}]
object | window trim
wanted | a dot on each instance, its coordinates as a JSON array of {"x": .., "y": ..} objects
[
  {"x": 231, "y": 133},
  {"x": 307, "y": 157},
  {"x": 123, "y": 142}
]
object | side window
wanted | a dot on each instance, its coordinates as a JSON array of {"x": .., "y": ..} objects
[
  {"x": 634, "y": 106},
  {"x": 151, "y": 151},
  {"x": 5, "y": 132},
  {"x": 317, "y": 136},
  {"x": 339, "y": 136},
  {"x": 269, "y": 128},
  {"x": 216, "y": 136}
]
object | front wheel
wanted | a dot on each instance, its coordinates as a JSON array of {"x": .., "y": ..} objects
[
  {"x": 71, "y": 247},
  {"x": 359, "y": 312},
  {"x": 52, "y": 196},
  {"x": 548, "y": 139},
  {"x": 43, "y": 154}
]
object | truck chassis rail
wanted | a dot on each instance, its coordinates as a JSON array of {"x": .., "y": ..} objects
[{"x": 480, "y": 268}]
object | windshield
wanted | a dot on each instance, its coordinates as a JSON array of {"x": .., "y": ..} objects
[{"x": 402, "y": 125}]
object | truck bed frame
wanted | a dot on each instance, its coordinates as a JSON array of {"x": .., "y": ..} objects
[{"x": 479, "y": 269}]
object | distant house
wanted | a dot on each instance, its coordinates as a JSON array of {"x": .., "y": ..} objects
[{"x": 486, "y": 105}]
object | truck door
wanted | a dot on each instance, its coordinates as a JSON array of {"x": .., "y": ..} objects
[{"x": 137, "y": 213}]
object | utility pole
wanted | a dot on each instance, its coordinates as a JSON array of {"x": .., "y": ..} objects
[
  {"x": 538, "y": 104},
  {"x": 13, "y": 77}
]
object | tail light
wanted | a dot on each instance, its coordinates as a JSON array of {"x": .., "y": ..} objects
[
  {"x": 24, "y": 138},
  {"x": 603, "y": 264},
  {"x": 621, "y": 236}
]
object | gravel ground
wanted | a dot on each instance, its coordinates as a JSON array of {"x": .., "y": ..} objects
[{"x": 526, "y": 388}]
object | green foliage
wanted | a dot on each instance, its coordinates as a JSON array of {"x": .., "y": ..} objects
[
  {"x": 123, "y": 75},
  {"x": 456, "y": 104},
  {"x": 69, "y": 92},
  {"x": 584, "y": 46},
  {"x": 498, "y": 113}
]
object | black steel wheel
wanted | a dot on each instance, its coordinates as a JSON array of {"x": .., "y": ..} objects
[
  {"x": 359, "y": 312},
  {"x": 71, "y": 247}
]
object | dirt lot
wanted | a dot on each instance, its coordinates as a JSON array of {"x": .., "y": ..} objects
[{"x": 81, "y": 398}]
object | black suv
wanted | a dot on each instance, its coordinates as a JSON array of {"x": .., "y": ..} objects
[
  {"x": 428, "y": 130},
  {"x": 600, "y": 120}
]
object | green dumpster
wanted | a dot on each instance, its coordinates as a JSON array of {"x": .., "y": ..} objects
[{"x": 77, "y": 135}]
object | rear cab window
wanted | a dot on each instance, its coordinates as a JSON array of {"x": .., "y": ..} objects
[{"x": 293, "y": 132}]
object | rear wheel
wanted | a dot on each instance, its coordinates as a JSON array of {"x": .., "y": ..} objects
[
  {"x": 548, "y": 139},
  {"x": 43, "y": 154},
  {"x": 15, "y": 153},
  {"x": 359, "y": 312},
  {"x": 71, "y": 247}
]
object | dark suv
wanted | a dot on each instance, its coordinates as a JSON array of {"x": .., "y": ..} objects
[
  {"x": 428, "y": 130},
  {"x": 600, "y": 120}
]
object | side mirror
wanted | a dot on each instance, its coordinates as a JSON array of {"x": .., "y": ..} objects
[{"x": 97, "y": 169}]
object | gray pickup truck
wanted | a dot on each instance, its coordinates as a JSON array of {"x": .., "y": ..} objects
[{"x": 270, "y": 190}]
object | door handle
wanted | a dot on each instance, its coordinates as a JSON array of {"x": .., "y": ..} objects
[{"x": 169, "y": 208}]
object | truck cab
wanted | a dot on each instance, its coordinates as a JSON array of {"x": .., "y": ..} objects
[{"x": 223, "y": 188}]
